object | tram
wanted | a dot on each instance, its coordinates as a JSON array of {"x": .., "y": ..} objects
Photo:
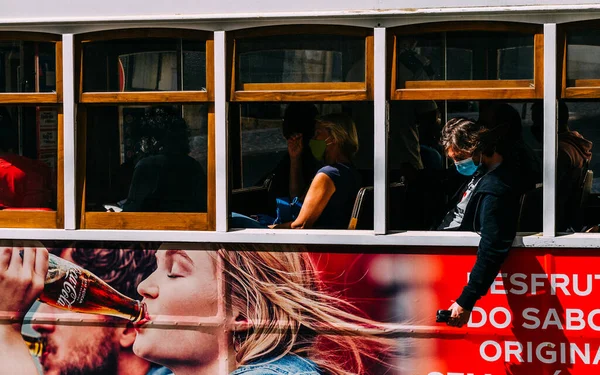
[{"x": 78, "y": 81}]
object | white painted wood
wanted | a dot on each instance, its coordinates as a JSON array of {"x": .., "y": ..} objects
[
  {"x": 549, "y": 162},
  {"x": 69, "y": 139},
  {"x": 221, "y": 163},
  {"x": 380, "y": 137}
]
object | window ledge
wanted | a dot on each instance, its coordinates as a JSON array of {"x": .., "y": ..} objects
[{"x": 324, "y": 237}]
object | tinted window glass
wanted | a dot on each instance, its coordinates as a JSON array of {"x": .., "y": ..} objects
[
  {"x": 301, "y": 58},
  {"x": 145, "y": 65},
  {"x": 464, "y": 56},
  {"x": 18, "y": 63},
  {"x": 147, "y": 158},
  {"x": 583, "y": 49}
]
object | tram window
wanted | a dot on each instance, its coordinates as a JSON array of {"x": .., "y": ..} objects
[
  {"x": 464, "y": 56},
  {"x": 301, "y": 58},
  {"x": 416, "y": 158},
  {"x": 147, "y": 158},
  {"x": 18, "y": 64},
  {"x": 260, "y": 171},
  {"x": 161, "y": 64}
]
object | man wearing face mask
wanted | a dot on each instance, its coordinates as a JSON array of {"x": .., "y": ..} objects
[{"x": 487, "y": 204}]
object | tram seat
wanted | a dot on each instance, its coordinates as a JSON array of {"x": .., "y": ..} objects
[
  {"x": 252, "y": 200},
  {"x": 362, "y": 213},
  {"x": 530, "y": 211}
]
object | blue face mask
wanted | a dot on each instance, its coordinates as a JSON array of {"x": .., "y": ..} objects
[{"x": 466, "y": 167}]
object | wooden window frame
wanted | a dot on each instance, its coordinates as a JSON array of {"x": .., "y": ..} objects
[
  {"x": 584, "y": 88},
  {"x": 469, "y": 89},
  {"x": 145, "y": 220},
  {"x": 27, "y": 218},
  {"x": 300, "y": 91}
]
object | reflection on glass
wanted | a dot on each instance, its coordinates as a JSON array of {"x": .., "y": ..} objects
[
  {"x": 28, "y": 158},
  {"x": 147, "y": 158},
  {"x": 464, "y": 56},
  {"x": 18, "y": 63},
  {"x": 306, "y": 58},
  {"x": 583, "y": 53},
  {"x": 145, "y": 65}
]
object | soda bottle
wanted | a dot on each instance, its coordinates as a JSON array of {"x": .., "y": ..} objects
[
  {"x": 70, "y": 287},
  {"x": 34, "y": 344}
]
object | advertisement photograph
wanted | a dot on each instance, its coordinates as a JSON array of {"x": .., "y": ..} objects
[{"x": 300, "y": 188}]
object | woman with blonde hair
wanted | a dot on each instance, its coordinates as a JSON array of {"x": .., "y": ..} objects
[
  {"x": 281, "y": 319},
  {"x": 330, "y": 198}
]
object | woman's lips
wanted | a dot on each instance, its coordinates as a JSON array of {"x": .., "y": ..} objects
[{"x": 138, "y": 325}]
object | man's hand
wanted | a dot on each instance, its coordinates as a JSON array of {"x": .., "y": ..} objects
[
  {"x": 295, "y": 146},
  {"x": 21, "y": 279},
  {"x": 21, "y": 282},
  {"x": 459, "y": 315}
]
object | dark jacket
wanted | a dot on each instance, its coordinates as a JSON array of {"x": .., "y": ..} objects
[
  {"x": 573, "y": 158},
  {"x": 492, "y": 212},
  {"x": 167, "y": 183}
]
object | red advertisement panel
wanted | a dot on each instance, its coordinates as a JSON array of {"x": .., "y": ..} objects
[
  {"x": 331, "y": 305},
  {"x": 540, "y": 316}
]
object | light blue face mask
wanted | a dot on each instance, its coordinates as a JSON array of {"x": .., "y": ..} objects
[{"x": 466, "y": 167}]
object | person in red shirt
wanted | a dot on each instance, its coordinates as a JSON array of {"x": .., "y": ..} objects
[{"x": 24, "y": 182}]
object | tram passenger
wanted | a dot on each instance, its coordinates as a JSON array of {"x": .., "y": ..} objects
[
  {"x": 24, "y": 182},
  {"x": 330, "y": 198},
  {"x": 167, "y": 179},
  {"x": 282, "y": 328},
  {"x": 293, "y": 174},
  {"x": 429, "y": 125},
  {"x": 527, "y": 163},
  {"x": 488, "y": 204},
  {"x": 573, "y": 158}
]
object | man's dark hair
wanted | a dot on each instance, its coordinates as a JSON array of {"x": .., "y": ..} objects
[
  {"x": 121, "y": 265},
  {"x": 162, "y": 130},
  {"x": 502, "y": 114},
  {"x": 462, "y": 135},
  {"x": 467, "y": 136},
  {"x": 300, "y": 118}
]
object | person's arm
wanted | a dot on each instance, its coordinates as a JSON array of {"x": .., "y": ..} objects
[
  {"x": 319, "y": 193},
  {"x": 295, "y": 148},
  {"x": 21, "y": 282},
  {"x": 497, "y": 227}
]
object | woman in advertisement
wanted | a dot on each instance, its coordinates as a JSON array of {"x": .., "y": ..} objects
[{"x": 280, "y": 317}]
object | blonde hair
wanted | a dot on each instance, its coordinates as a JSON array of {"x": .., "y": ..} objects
[
  {"x": 277, "y": 289},
  {"x": 343, "y": 131}
]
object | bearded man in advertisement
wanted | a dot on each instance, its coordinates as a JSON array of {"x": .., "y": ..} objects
[{"x": 105, "y": 346}]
